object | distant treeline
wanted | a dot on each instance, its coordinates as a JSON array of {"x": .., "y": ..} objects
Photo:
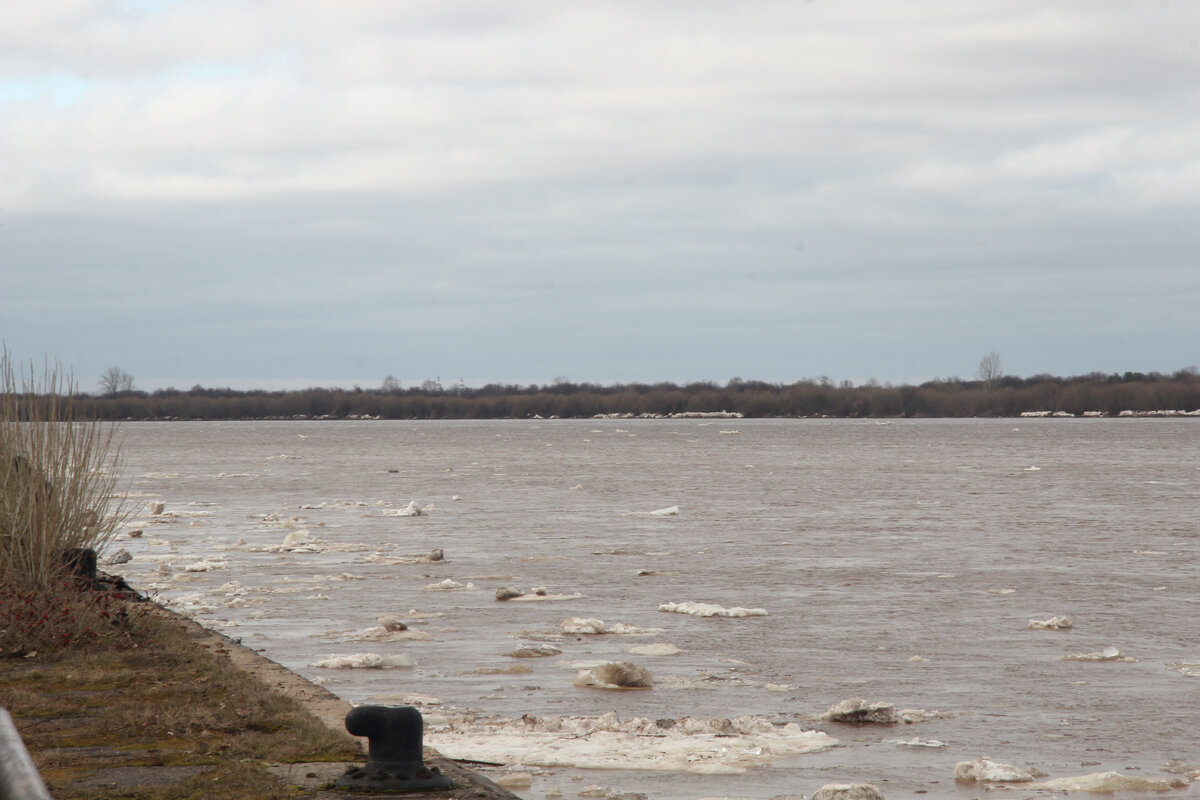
[{"x": 1008, "y": 396}]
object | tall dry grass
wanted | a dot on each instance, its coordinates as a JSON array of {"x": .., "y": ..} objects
[{"x": 59, "y": 478}]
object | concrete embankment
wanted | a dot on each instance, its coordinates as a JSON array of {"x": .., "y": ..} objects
[{"x": 54, "y": 703}]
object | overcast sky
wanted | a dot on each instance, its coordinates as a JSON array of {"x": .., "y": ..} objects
[{"x": 291, "y": 193}]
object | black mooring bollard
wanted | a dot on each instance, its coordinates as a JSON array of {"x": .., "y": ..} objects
[
  {"x": 81, "y": 561},
  {"x": 395, "y": 752}
]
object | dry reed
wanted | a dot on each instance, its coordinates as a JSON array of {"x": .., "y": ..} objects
[{"x": 58, "y": 491}]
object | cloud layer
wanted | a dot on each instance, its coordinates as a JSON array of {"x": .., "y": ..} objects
[{"x": 293, "y": 193}]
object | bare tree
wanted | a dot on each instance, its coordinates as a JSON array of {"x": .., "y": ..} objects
[
  {"x": 390, "y": 384},
  {"x": 989, "y": 370},
  {"x": 115, "y": 380}
]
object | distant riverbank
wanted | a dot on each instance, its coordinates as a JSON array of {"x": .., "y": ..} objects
[{"x": 1128, "y": 394}]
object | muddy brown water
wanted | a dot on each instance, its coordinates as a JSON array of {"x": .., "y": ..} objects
[{"x": 899, "y": 561}]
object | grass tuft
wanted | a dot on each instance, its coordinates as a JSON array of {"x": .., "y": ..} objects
[{"x": 58, "y": 500}]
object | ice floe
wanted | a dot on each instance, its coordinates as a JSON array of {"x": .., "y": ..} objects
[
  {"x": 615, "y": 675},
  {"x": 538, "y": 651},
  {"x": 656, "y": 649},
  {"x": 122, "y": 556},
  {"x": 390, "y": 622},
  {"x": 591, "y": 626},
  {"x": 1052, "y": 624},
  {"x": 1107, "y": 654},
  {"x": 378, "y": 633},
  {"x": 536, "y": 594},
  {"x": 857, "y": 711},
  {"x": 410, "y": 510},
  {"x": 1188, "y": 669},
  {"x": 917, "y": 742},
  {"x": 450, "y": 585},
  {"x": 206, "y": 566},
  {"x": 711, "y": 610},
  {"x": 427, "y": 558},
  {"x": 702, "y": 746},
  {"x": 366, "y": 661},
  {"x": 983, "y": 770},
  {"x": 669, "y": 511},
  {"x": 1110, "y": 782},
  {"x": 848, "y": 791}
]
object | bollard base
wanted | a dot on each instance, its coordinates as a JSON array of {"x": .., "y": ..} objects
[{"x": 384, "y": 776}]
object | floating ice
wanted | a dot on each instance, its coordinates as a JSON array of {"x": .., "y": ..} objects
[
  {"x": 584, "y": 625},
  {"x": 1188, "y": 669},
  {"x": 615, "y": 675},
  {"x": 1109, "y": 782},
  {"x": 449, "y": 585},
  {"x": 410, "y": 510},
  {"x": 703, "y": 746},
  {"x": 591, "y": 626},
  {"x": 540, "y": 651},
  {"x": 206, "y": 566},
  {"x": 539, "y": 594},
  {"x": 656, "y": 649},
  {"x": 669, "y": 511},
  {"x": 122, "y": 556},
  {"x": 847, "y": 791},
  {"x": 858, "y": 711},
  {"x": 515, "y": 780},
  {"x": 378, "y": 633},
  {"x": 983, "y": 770},
  {"x": 916, "y": 742},
  {"x": 711, "y": 610},
  {"x": 366, "y": 661},
  {"x": 1107, "y": 654},
  {"x": 390, "y": 622},
  {"x": 406, "y": 699},
  {"x": 1052, "y": 624},
  {"x": 296, "y": 538}
]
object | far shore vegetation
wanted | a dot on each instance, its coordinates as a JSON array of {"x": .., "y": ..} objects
[{"x": 991, "y": 395}]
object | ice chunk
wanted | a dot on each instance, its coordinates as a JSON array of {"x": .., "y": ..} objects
[
  {"x": 1188, "y": 669},
  {"x": 847, "y": 791},
  {"x": 700, "y": 746},
  {"x": 205, "y": 566},
  {"x": 540, "y": 651},
  {"x": 583, "y": 625},
  {"x": 1109, "y": 782},
  {"x": 390, "y": 622},
  {"x": 366, "y": 661},
  {"x": 449, "y": 585},
  {"x": 656, "y": 649},
  {"x": 984, "y": 770},
  {"x": 1052, "y": 624},
  {"x": 1107, "y": 654},
  {"x": 615, "y": 675},
  {"x": 711, "y": 610},
  {"x": 857, "y": 711},
  {"x": 917, "y": 742},
  {"x": 296, "y": 538},
  {"x": 410, "y": 510}
]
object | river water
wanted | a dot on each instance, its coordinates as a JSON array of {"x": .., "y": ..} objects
[{"x": 898, "y": 562}]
